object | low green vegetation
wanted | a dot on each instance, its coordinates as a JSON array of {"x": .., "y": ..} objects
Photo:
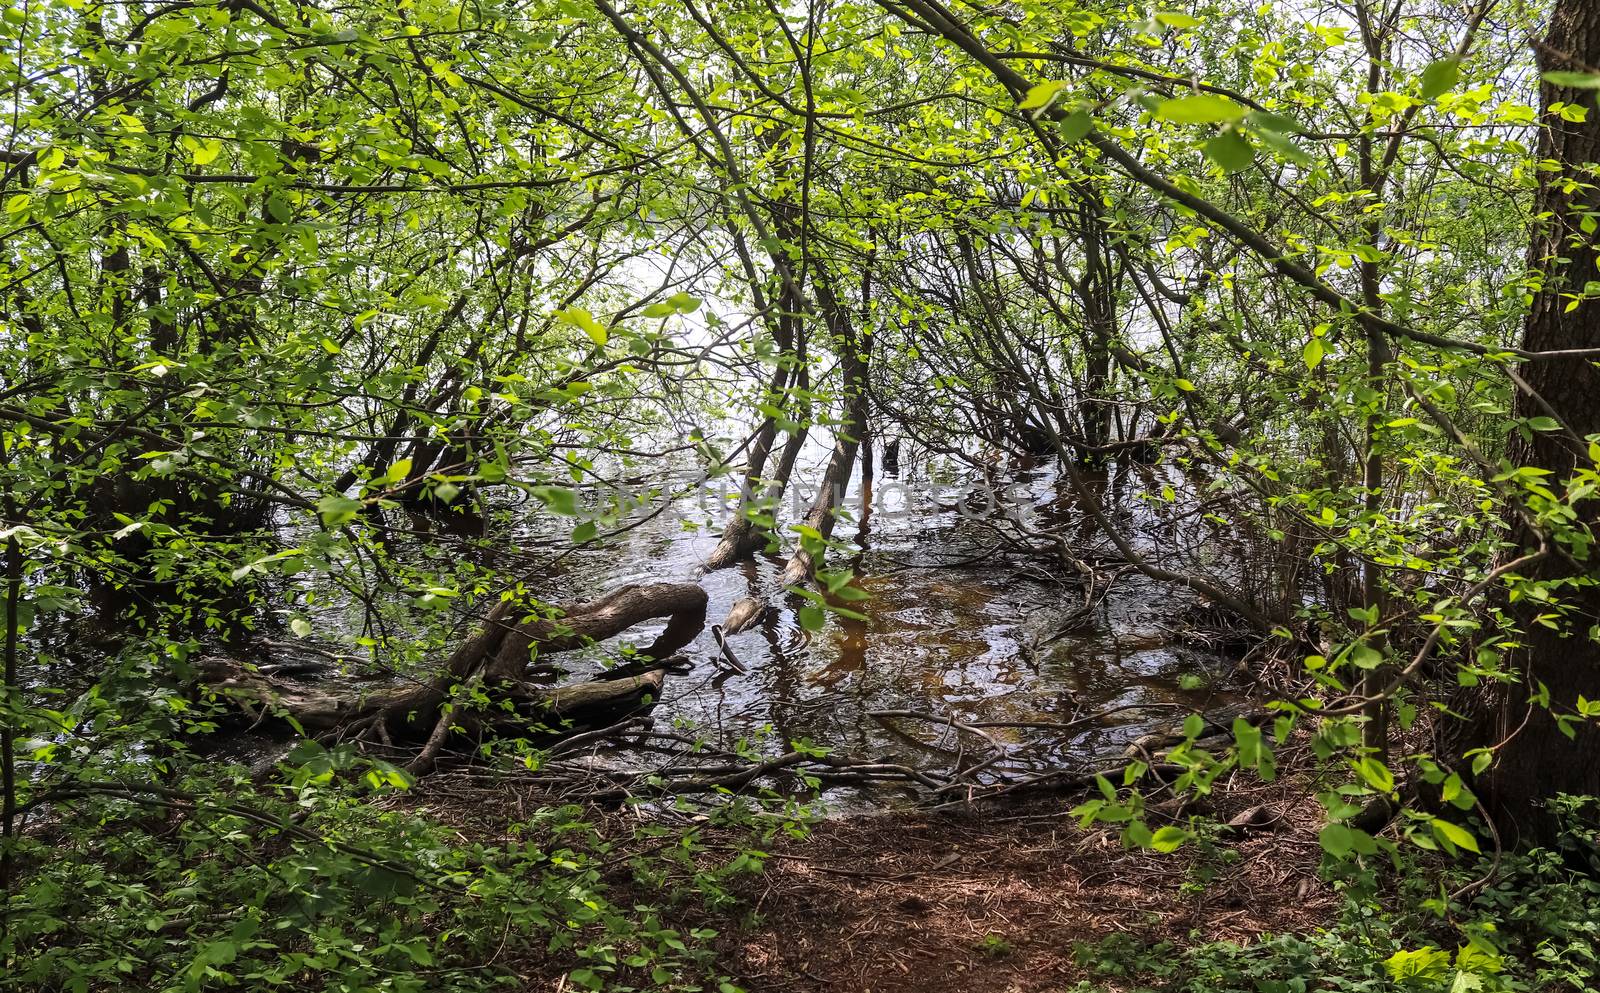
[{"x": 207, "y": 882}]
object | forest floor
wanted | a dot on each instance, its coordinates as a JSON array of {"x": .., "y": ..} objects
[
  {"x": 1012, "y": 899},
  {"x": 1004, "y": 903}
]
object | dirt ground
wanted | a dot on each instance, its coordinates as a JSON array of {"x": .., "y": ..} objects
[{"x": 1001, "y": 903}]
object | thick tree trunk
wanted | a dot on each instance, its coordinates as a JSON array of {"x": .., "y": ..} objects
[{"x": 1536, "y": 760}]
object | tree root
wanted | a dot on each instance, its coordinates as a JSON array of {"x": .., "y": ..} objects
[{"x": 493, "y": 663}]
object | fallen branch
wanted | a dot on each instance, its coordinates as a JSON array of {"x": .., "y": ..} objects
[{"x": 494, "y": 662}]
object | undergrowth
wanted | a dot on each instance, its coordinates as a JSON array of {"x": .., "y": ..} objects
[
  {"x": 1534, "y": 927},
  {"x": 208, "y": 882}
]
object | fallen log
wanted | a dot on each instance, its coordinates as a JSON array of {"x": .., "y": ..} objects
[
  {"x": 494, "y": 661},
  {"x": 586, "y": 702}
]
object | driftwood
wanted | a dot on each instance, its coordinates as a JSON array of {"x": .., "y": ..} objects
[
  {"x": 744, "y": 615},
  {"x": 693, "y": 766},
  {"x": 496, "y": 660},
  {"x": 1218, "y": 723},
  {"x": 727, "y": 659}
]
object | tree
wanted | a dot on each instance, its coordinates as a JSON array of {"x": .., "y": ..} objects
[{"x": 1541, "y": 730}]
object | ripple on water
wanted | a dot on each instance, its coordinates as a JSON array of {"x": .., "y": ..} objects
[{"x": 984, "y": 643}]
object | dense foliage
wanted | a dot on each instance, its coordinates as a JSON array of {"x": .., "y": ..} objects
[{"x": 274, "y": 275}]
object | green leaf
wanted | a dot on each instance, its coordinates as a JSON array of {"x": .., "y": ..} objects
[
  {"x": 585, "y": 322},
  {"x": 1174, "y": 19},
  {"x": 1375, "y": 773},
  {"x": 1200, "y": 108},
  {"x": 1075, "y": 126},
  {"x": 1248, "y": 738},
  {"x": 558, "y": 499},
  {"x": 1439, "y": 77},
  {"x": 337, "y": 510},
  {"x": 1041, "y": 95},
  {"x": 683, "y": 303},
  {"x": 207, "y": 152},
  {"x": 1168, "y": 839},
  {"x": 1337, "y": 840},
  {"x": 1231, "y": 150},
  {"x": 1425, "y": 963},
  {"x": 220, "y": 952},
  {"x": 1313, "y": 353},
  {"x": 1574, "y": 80},
  {"x": 1106, "y": 789},
  {"x": 1137, "y": 834},
  {"x": 1281, "y": 144},
  {"x": 1455, "y": 834},
  {"x": 1365, "y": 657},
  {"x": 397, "y": 472}
]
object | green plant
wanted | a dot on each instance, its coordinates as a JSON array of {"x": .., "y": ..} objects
[
  {"x": 993, "y": 946},
  {"x": 1535, "y": 928}
]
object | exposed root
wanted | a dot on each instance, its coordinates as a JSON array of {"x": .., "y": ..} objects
[{"x": 496, "y": 661}]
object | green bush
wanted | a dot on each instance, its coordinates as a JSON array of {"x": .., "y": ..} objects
[{"x": 211, "y": 883}]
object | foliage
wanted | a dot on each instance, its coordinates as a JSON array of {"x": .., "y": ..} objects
[
  {"x": 210, "y": 882},
  {"x": 289, "y": 290},
  {"x": 1533, "y": 928}
]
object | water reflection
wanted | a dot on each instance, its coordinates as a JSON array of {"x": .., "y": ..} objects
[{"x": 994, "y": 640}]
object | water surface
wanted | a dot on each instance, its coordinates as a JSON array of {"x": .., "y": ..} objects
[{"x": 1000, "y": 639}]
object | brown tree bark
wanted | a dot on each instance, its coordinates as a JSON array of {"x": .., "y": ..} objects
[
  {"x": 496, "y": 658},
  {"x": 1535, "y": 760},
  {"x": 854, "y": 348},
  {"x": 758, "y": 492}
]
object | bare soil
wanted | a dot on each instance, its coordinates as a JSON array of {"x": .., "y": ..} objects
[{"x": 1002, "y": 903}]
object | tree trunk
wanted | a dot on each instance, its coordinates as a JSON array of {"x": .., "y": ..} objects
[
  {"x": 853, "y": 348},
  {"x": 830, "y": 495},
  {"x": 496, "y": 658},
  {"x": 1097, "y": 295},
  {"x": 1537, "y": 760},
  {"x": 743, "y": 536}
]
